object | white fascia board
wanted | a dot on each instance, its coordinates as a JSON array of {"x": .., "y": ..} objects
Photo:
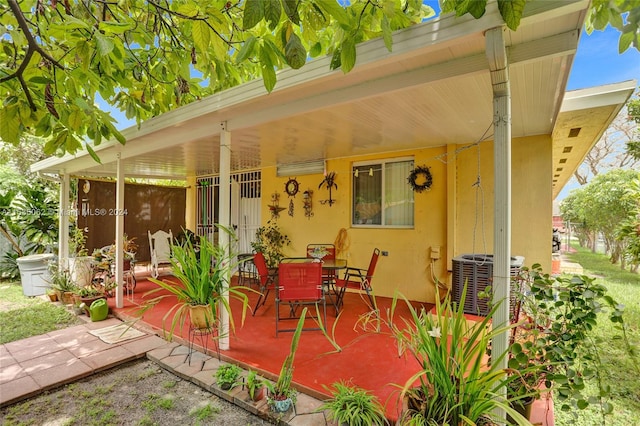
[{"x": 599, "y": 96}]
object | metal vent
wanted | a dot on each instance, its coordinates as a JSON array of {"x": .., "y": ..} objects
[{"x": 476, "y": 270}]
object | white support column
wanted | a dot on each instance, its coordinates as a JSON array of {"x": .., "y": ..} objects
[
  {"x": 63, "y": 222},
  {"x": 499, "y": 67},
  {"x": 119, "y": 230},
  {"x": 224, "y": 215}
]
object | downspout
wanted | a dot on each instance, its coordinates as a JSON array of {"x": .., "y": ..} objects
[
  {"x": 499, "y": 68},
  {"x": 224, "y": 215}
]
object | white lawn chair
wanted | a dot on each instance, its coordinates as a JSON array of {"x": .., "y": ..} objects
[{"x": 160, "y": 246}]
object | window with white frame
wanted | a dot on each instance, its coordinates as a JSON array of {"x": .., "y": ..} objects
[{"x": 381, "y": 195}]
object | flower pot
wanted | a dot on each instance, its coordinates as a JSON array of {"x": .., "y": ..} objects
[
  {"x": 258, "y": 394},
  {"x": 201, "y": 316},
  {"x": 523, "y": 407},
  {"x": 66, "y": 297},
  {"x": 53, "y": 296},
  {"x": 281, "y": 405},
  {"x": 226, "y": 386}
]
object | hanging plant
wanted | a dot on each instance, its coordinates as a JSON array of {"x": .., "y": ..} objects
[{"x": 420, "y": 179}]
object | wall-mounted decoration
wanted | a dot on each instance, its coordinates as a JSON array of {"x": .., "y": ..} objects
[
  {"x": 307, "y": 203},
  {"x": 420, "y": 179},
  {"x": 290, "y": 208},
  {"x": 274, "y": 206},
  {"x": 329, "y": 183},
  {"x": 291, "y": 187}
]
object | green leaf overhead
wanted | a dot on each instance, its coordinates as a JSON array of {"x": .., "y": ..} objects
[
  {"x": 146, "y": 57},
  {"x": 295, "y": 53}
]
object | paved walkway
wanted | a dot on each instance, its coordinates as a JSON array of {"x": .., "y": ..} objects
[{"x": 31, "y": 366}]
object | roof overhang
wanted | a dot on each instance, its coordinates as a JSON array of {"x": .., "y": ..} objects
[
  {"x": 433, "y": 89},
  {"x": 584, "y": 116}
]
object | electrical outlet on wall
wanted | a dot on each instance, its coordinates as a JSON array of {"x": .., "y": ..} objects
[{"x": 435, "y": 252}]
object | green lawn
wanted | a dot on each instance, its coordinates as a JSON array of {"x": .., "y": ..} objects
[
  {"x": 22, "y": 317},
  {"x": 619, "y": 370}
]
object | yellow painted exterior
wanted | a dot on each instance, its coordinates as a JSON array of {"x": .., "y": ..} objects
[
  {"x": 456, "y": 215},
  {"x": 407, "y": 268}
]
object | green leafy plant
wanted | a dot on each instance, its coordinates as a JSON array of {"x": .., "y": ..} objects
[
  {"x": 255, "y": 382},
  {"x": 271, "y": 241},
  {"x": 77, "y": 241},
  {"x": 456, "y": 381},
  {"x": 353, "y": 406},
  {"x": 282, "y": 389},
  {"x": 202, "y": 280},
  {"x": 227, "y": 376},
  {"x": 563, "y": 311},
  {"x": 60, "y": 278}
]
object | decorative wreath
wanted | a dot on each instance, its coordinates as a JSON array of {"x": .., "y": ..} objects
[
  {"x": 291, "y": 187},
  {"x": 425, "y": 174}
]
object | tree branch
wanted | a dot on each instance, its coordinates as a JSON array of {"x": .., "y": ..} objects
[{"x": 32, "y": 47}]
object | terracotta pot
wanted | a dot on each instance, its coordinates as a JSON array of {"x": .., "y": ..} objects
[
  {"x": 53, "y": 296},
  {"x": 258, "y": 394},
  {"x": 66, "y": 297},
  {"x": 201, "y": 316}
]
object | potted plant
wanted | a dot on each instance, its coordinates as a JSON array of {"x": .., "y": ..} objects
[
  {"x": 271, "y": 241},
  {"x": 255, "y": 385},
  {"x": 88, "y": 295},
  {"x": 80, "y": 263},
  {"x": 227, "y": 376},
  {"x": 201, "y": 285},
  {"x": 456, "y": 382},
  {"x": 281, "y": 395},
  {"x": 61, "y": 283},
  {"x": 353, "y": 406}
]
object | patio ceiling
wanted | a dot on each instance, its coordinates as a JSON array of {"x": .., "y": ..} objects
[{"x": 434, "y": 89}]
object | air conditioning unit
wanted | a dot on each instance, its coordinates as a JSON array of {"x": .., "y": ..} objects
[{"x": 477, "y": 271}]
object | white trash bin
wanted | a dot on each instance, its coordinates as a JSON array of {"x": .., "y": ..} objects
[{"x": 34, "y": 274}]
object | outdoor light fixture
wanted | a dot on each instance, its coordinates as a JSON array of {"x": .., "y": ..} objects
[{"x": 303, "y": 168}]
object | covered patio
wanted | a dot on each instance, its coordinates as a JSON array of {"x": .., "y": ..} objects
[{"x": 482, "y": 107}]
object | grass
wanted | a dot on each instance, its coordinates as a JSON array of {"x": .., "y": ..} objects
[
  {"x": 620, "y": 370},
  {"x": 23, "y": 317}
]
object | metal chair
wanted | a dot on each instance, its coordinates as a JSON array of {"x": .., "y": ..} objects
[
  {"x": 160, "y": 246},
  {"x": 266, "y": 277},
  {"x": 359, "y": 279},
  {"x": 247, "y": 273},
  {"x": 299, "y": 284},
  {"x": 324, "y": 251}
]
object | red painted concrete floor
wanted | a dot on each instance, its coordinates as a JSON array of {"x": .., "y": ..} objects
[{"x": 367, "y": 359}]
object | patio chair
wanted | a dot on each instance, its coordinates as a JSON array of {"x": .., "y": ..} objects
[
  {"x": 266, "y": 277},
  {"x": 160, "y": 246},
  {"x": 324, "y": 251},
  {"x": 358, "y": 279},
  {"x": 247, "y": 273},
  {"x": 299, "y": 284}
]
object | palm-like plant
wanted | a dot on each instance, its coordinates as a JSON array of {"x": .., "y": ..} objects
[
  {"x": 457, "y": 383},
  {"x": 203, "y": 280}
]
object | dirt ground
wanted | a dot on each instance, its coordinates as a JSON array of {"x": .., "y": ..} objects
[{"x": 137, "y": 393}]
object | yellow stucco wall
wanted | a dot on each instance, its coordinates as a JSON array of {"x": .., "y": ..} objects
[
  {"x": 531, "y": 227},
  {"x": 406, "y": 268}
]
